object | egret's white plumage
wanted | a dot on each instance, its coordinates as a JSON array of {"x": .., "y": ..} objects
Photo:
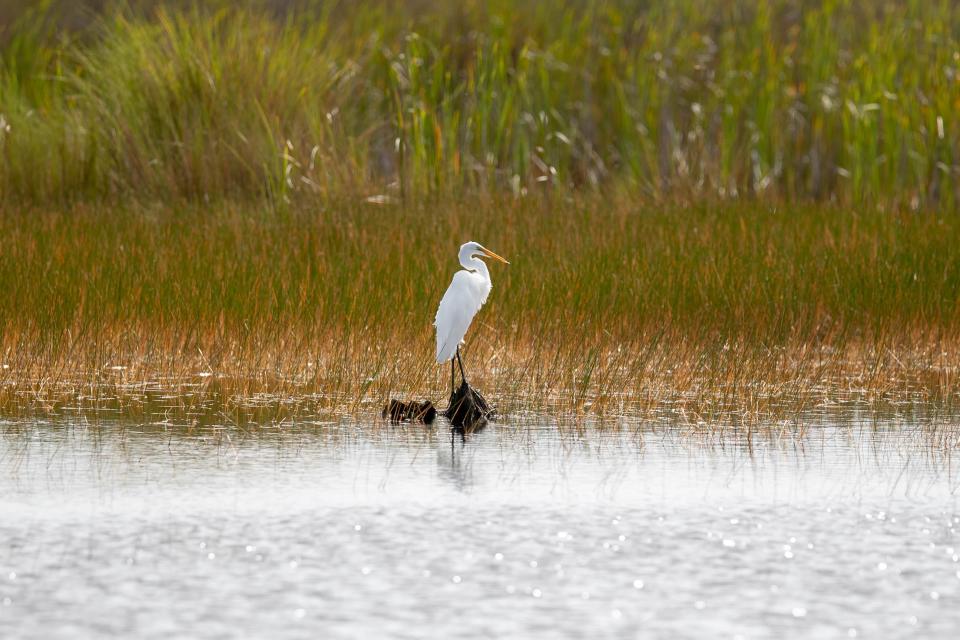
[{"x": 464, "y": 297}]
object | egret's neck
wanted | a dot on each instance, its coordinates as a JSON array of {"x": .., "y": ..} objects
[{"x": 475, "y": 264}]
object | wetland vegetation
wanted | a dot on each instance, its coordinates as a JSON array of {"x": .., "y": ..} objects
[
  {"x": 733, "y": 209},
  {"x": 609, "y": 306},
  {"x": 725, "y": 353}
]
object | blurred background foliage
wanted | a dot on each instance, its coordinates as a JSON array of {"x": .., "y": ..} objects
[{"x": 822, "y": 100}]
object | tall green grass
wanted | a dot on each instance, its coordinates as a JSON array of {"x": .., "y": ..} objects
[
  {"x": 846, "y": 101},
  {"x": 612, "y": 266},
  {"x": 608, "y": 306},
  {"x": 709, "y": 207}
]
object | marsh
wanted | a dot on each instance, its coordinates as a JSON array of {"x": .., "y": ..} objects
[{"x": 724, "y": 360}]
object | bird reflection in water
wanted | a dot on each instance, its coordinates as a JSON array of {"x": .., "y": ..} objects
[{"x": 455, "y": 462}]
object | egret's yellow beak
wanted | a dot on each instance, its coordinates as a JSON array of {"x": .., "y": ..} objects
[{"x": 493, "y": 255}]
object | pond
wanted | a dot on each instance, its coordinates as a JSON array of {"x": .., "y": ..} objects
[{"x": 528, "y": 528}]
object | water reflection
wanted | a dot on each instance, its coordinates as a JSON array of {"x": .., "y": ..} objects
[
  {"x": 345, "y": 530},
  {"x": 455, "y": 464}
]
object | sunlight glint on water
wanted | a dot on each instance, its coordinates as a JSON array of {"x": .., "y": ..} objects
[{"x": 353, "y": 531}]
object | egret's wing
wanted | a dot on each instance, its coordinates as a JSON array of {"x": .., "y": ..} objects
[{"x": 464, "y": 297}]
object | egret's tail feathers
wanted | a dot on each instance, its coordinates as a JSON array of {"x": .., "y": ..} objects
[
  {"x": 446, "y": 350},
  {"x": 445, "y": 355}
]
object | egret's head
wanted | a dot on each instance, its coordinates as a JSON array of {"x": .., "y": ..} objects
[{"x": 472, "y": 250}]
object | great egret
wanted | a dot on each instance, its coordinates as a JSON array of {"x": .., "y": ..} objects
[{"x": 464, "y": 297}]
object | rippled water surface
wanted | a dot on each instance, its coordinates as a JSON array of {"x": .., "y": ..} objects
[{"x": 353, "y": 531}]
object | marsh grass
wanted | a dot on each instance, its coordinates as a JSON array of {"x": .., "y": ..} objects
[
  {"x": 712, "y": 314},
  {"x": 844, "y": 102},
  {"x": 715, "y": 212}
]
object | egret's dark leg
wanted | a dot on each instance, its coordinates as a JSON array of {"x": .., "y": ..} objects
[
  {"x": 463, "y": 375},
  {"x": 453, "y": 370}
]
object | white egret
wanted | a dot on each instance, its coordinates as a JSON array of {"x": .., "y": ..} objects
[{"x": 464, "y": 297}]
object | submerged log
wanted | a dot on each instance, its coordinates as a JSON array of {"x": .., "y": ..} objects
[
  {"x": 467, "y": 408},
  {"x": 412, "y": 411}
]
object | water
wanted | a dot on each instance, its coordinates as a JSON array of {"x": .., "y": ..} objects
[{"x": 352, "y": 531}]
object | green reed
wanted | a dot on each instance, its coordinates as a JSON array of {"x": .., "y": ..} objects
[
  {"x": 606, "y": 264},
  {"x": 709, "y": 207},
  {"x": 607, "y": 306},
  {"x": 844, "y": 101}
]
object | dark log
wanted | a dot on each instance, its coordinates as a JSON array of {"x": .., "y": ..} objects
[
  {"x": 467, "y": 408},
  {"x": 412, "y": 411}
]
